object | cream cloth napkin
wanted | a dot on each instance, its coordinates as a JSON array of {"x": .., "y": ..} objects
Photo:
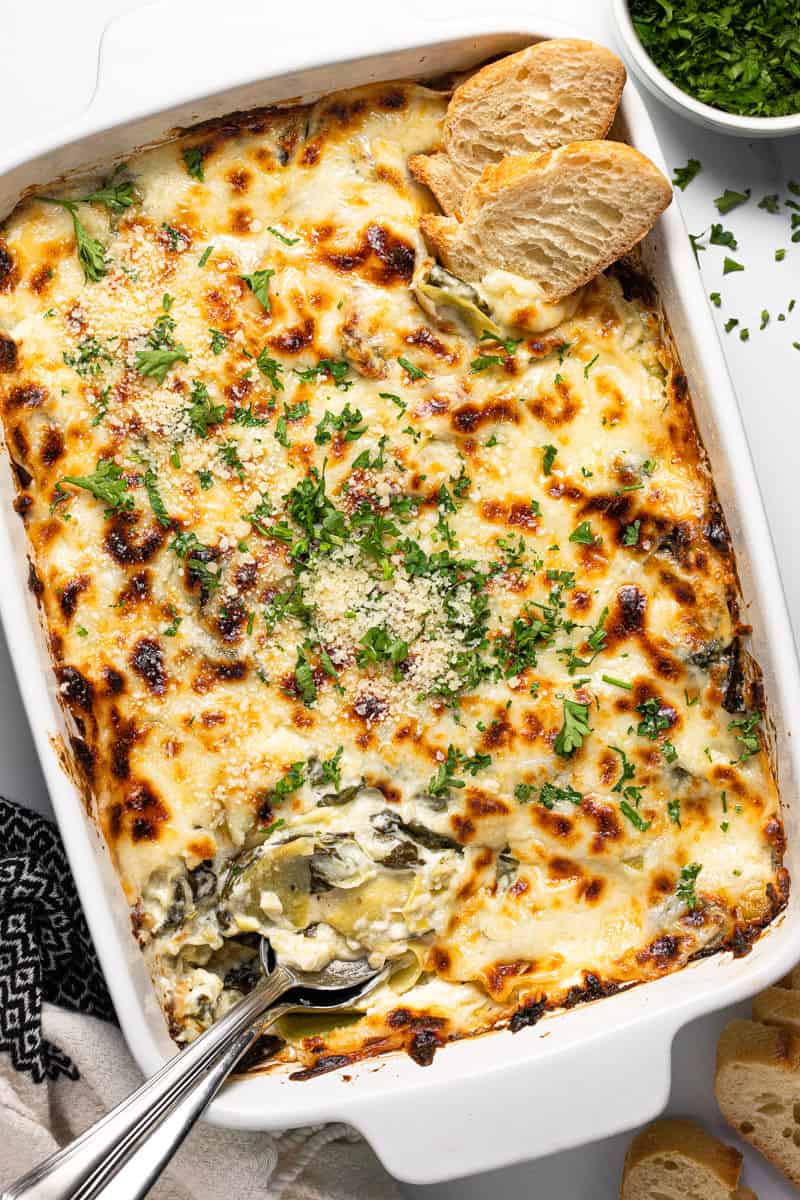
[{"x": 322, "y": 1163}]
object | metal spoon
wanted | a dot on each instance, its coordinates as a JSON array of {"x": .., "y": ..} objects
[{"x": 124, "y": 1153}]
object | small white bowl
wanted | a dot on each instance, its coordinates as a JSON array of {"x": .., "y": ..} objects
[{"x": 647, "y": 73}]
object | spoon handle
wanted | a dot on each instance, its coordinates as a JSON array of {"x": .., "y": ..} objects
[{"x": 147, "y": 1127}]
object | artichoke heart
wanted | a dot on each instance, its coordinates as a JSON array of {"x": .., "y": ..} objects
[
  {"x": 444, "y": 296},
  {"x": 285, "y": 871}
]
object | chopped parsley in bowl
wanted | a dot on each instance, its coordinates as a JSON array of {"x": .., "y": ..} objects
[{"x": 733, "y": 66}]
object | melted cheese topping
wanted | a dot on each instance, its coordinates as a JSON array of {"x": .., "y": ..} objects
[{"x": 378, "y": 636}]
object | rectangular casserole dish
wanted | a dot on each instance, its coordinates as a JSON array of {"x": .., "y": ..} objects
[{"x": 444, "y": 1121}]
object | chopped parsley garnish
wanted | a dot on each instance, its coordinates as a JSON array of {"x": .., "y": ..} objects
[
  {"x": 613, "y": 682},
  {"x": 685, "y": 890},
  {"x": 683, "y": 176},
  {"x": 172, "y": 629},
  {"x": 229, "y": 453},
  {"x": 669, "y": 752},
  {"x": 412, "y": 371},
  {"x": 548, "y": 458},
  {"x": 163, "y": 353},
  {"x": 90, "y": 359},
  {"x": 106, "y": 483},
  {"x": 551, "y": 795},
  {"x": 219, "y": 341},
  {"x": 334, "y": 369},
  {"x": 715, "y": 299},
  {"x": 740, "y": 57},
  {"x": 91, "y": 252},
  {"x": 205, "y": 256},
  {"x": 271, "y": 369},
  {"x": 287, "y": 241},
  {"x": 331, "y": 769},
  {"x": 583, "y": 534},
  {"x": 674, "y": 810},
  {"x": 770, "y": 204},
  {"x": 193, "y": 161},
  {"x": 634, "y": 817},
  {"x": 654, "y": 719},
  {"x": 292, "y": 781},
  {"x": 730, "y": 265},
  {"x": 628, "y": 773},
  {"x": 522, "y": 792},
  {"x": 248, "y": 419},
  {"x": 730, "y": 200},
  {"x": 202, "y": 412},
  {"x": 258, "y": 283},
  {"x": 780, "y": 255},
  {"x": 156, "y": 503},
  {"x": 378, "y": 646},
  {"x": 589, "y": 366},
  {"x": 439, "y": 785},
  {"x": 350, "y": 422},
  {"x": 746, "y": 733},
  {"x": 574, "y": 729},
  {"x": 722, "y": 237},
  {"x": 630, "y": 534}
]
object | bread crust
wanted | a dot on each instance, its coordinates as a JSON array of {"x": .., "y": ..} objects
[
  {"x": 527, "y": 190},
  {"x": 686, "y": 1139},
  {"x": 554, "y": 92},
  {"x": 757, "y": 1085}
]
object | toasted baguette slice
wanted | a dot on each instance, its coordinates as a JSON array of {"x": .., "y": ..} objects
[
  {"x": 778, "y": 1006},
  {"x": 675, "y": 1159},
  {"x": 757, "y": 1085},
  {"x": 558, "y": 219},
  {"x": 558, "y": 91},
  {"x": 792, "y": 980}
]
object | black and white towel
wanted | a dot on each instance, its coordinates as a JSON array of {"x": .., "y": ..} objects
[{"x": 46, "y": 953}]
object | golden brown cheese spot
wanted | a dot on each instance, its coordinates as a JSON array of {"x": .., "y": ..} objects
[
  {"x": 239, "y": 179},
  {"x": 51, "y": 447},
  {"x": 126, "y": 734},
  {"x": 127, "y": 550},
  {"x": 8, "y": 355},
  {"x": 28, "y": 395},
  {"x": 76, "y": 689},
  {"x": 470, "y": 417},
  {"x": 8, "y": 271},
  {"x": 381, "y": 257},
  {"x": 296, "y": 339},
  {"x": 41, "y": 279},
  {"x": 139, "y": 816},
  {"x": 147, "y": 661},
  {"x": 555, "y": 408},
  {"x": 70, "y": 594}
]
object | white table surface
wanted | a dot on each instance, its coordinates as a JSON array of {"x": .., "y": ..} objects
[{"x": 48, "y": 61}]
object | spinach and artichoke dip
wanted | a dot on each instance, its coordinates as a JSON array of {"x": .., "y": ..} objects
[{"x": 393, "y": 616}]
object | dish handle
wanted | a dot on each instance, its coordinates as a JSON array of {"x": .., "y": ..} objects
[
  {"x": 602, "y": 1086},
  {"x": 169, "y": 54}
]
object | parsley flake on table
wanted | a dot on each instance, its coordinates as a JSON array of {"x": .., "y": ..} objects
[
  {"x": 730, "y": 265},
  {"x": 730, "y": 200},
  {"x": 683, "y": 176}
]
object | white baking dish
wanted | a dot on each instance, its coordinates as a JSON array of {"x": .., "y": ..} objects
[{"x": 599, "y": 1068}]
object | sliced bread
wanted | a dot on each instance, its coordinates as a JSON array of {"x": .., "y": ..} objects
[
  {"x": 792, "y": 980},
  {"x": 675, "y": 1159},
  {"x": 757, "y": 1085},
  {"x": 558, "y": 219},
  {"x": 558, "y": 91},
  {"x": 778, "y": 1006}
]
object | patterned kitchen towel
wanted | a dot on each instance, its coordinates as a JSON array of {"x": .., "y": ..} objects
[
  {"x": 61, "y": 1068},
  {"x": 46, "y": 952}
]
